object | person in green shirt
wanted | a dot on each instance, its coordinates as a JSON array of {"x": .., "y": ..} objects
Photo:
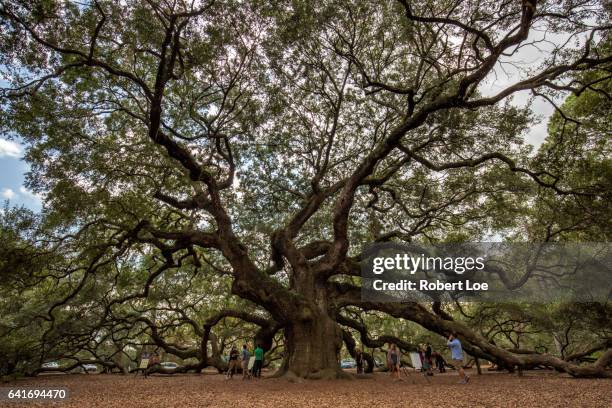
[{"x": 259, "y": 354}]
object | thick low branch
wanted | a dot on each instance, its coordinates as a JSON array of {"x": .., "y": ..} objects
[{"x": 474, "y": 343}]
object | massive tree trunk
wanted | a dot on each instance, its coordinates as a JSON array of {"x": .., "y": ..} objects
[
  {"x": 313, "y": 338},
  {"x": 312, "y": 348}
]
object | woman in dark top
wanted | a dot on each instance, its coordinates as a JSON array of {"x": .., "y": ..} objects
[
  {"x": 233, "y": 362},
  {"x": 428, "y": 360},
  {"x": 440, "y": 363},
  {"x": 359, "y": 361}
]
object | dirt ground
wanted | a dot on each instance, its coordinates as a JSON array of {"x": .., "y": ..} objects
[{"x": 535, "y": 389}]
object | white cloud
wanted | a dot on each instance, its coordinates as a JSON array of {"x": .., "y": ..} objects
[
  {"x": 9, "y": 149},
  {"x": 30, "y": 194},
  {"x": 22, "y": 196},
  {"x": 7, "y": 194}
]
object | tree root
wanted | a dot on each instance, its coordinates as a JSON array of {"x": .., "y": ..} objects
[{"x": 326, "y": 374}]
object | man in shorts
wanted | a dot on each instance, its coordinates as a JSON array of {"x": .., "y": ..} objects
[
  {"x": 457, "y": 357},
  {"x": 244, "y": 360}
]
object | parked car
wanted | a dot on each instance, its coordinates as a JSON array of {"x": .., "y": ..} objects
[
  {"x": 348, "y": 363},
  {"x": 50, "y": 365},
  {"x": 169, "y": 365}
]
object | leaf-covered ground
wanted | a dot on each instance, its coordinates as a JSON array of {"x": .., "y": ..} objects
[{"x": 535, "y": 389}]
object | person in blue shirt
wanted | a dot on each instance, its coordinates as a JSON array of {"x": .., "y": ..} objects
[
  {"x": 457, "y": 357},
  {"x": 244, "y": 360}
]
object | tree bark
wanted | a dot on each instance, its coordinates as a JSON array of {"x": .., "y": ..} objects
[
  {"x": 312, "y": 348},
  {"x": 313, "y": 338}
]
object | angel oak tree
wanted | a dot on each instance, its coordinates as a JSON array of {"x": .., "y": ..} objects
[{"x": 270, "y": 140}]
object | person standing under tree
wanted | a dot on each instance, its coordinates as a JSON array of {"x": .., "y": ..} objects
[
  {"x": 457, "y": 357},
  {"x": 259, "y": 355},
  {"x": 393, "y": 359},
  {"x": 421, "y": 354},
  {"x": 428, "y": 364},
  {"x": 152, "y": 365},
  {"x": 244, "y": 359},
  {"x": 440, "y": 363},
  {"x": 359, "y": 361},
  {"x": 233, "y": 362}
]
